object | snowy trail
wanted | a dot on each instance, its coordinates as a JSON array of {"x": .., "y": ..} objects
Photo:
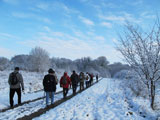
[
  {"x": 25, "y": 97},
  {"x": 103, "y": 101},
  {"x": 27, "y": 109}
]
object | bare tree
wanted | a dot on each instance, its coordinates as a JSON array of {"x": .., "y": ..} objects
[
  {"x": 39, "y": 59},
  {"x": 142, "y": 51},
  {"x": 4, "y": 63}
]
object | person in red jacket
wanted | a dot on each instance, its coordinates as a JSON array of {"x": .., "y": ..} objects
[{"x": 65, "y": 82}]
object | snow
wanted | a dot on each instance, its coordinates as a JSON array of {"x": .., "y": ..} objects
[
  {"x": 27, "y": 109},
  {"x": 106, "y": 100},
  {"x": 103, "y": 101},
  {"x": 32, "y": 83}
]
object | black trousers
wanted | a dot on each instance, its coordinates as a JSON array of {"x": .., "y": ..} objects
[
  {"x": 11, "y": 95},
  {"x": 81, "y": 85},
  {"x": 87, "y": 84},
  {"x": 91, "y": 81},
  {"x": 74, "y": 88},
  {"x": 65, "y": 91}
]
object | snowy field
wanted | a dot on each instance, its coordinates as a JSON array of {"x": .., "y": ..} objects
[
  {"x": 103, "y": 101},
  {"x": 27, "y": 109},
  {"x": 106, "y": 100},
  {"x": 32, "y": 83}
]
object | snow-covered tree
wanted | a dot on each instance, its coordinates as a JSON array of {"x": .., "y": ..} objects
[
  {"x": 39, "y": 59},
  {"x": 21, "y": 61},
  {"x": 116, "y": 67},
  {"x": 83, "y": 64},
  {"x": 102, "y": 61},
  {"x": 4, "y": 63},
  {"x": 101, "y": 65},
  {"x": 142, "y": 51}
]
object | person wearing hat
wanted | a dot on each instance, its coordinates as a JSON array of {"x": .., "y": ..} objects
[
  {"x": 49, "y": 84},
  {"x": 15, "y": 82}
]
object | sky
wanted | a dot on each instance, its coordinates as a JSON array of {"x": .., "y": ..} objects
[{"x": 70, "y": 28}]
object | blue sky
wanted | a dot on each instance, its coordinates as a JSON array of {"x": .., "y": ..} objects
[{"x": 70, "y": 28}]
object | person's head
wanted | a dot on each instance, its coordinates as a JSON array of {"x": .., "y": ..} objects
[
  {"x": 65, "y": 73},
  {"x": 50, "y": 71},
  {"x": 16, "y": 69},
  {"x": 74, "y": 71}
]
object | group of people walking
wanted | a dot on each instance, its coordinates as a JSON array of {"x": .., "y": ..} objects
[{"x": 49, "y": 83}]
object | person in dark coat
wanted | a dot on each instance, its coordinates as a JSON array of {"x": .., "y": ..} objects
[
  {"x": 74, "y": 80},
  {"x": 97, "y": 78},
  {"x": 49, "y": 84},
  {"x": 15, "y": 82},
  {"x": 91, "y": 77},
  {"x": 65, "y": 82}
]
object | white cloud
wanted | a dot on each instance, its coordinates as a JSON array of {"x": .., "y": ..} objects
[
  {"x": 46, "y": 20},
  {"x": 62, "y": 48},
  {"x": 112, "y": 18},
  {"x": 43, "y": 6},
  {"x": 148, "y": 15},
  {"x": 106, "y": 24},
  {"x": 131, "y": 18},
  {"x": 6, "y": 35},
  {"x": 6, "y": 52},
  {"x": 22, "y": 15},
  {"x": 108, "y": 5},
  {"x": 46, "y": 28},
  {"x": 137, "y": 2},
  {"x": 60, "y": 44},
  {"x": 121, "y": 18},
  {"x": 31, "y": 16},
  {"x": 100, "y": 38},
  {"x": 86, "y": 21},
  {"x": 115, "y": 41},
  {"x": 110, "y": 52}
]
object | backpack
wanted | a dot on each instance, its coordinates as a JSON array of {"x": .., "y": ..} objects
[
  {"x": 64, "y": 80},
  {"x": 14, "y": 79},
  {"x": 87, "y": 77},
  {"x": 74, "y": 78},
  {"x": 49, "y": 83},
  {"x": 81, "y": 77}
]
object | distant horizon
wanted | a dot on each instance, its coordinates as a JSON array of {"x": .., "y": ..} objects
[
  {"x": 69, "y": 58},
  {"x": 73, "y": 29}
]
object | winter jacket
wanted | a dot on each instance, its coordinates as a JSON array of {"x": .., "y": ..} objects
[
  {"x": 20, "y": 81},
  {"x": 87, "y": 77},
  {"x": 68, "y": 81},
  {"x": 81, "y": 77},
  {"x": 49, "y": 83},
  {"x": 56, "y": 78},
  {"x": 74, "y": 79}
]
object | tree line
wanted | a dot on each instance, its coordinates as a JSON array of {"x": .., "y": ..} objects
[{"x": 38, "y": 60}]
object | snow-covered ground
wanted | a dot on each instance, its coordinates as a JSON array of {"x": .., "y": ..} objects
[
  {"x": 103, "y": 101},
  {"x": 32, "y": 83},
  {"x": 106, "y": 100},
  {"x": 27, "y": 109}
]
